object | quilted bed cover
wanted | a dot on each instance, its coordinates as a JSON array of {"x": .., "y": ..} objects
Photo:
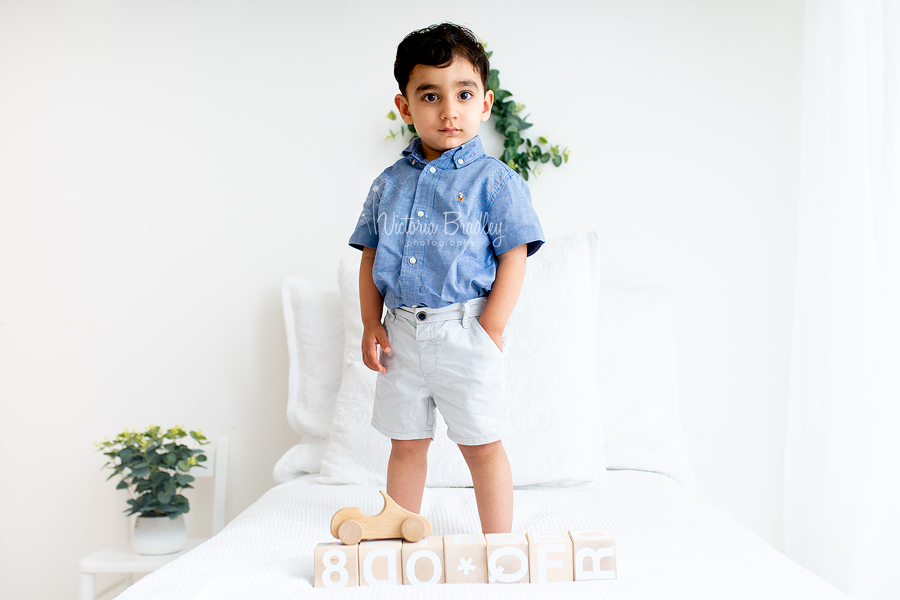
[{"x": 670, "y": 544}]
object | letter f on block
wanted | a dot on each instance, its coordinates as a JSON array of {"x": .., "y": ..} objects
[{"x": 543, "y": 563}]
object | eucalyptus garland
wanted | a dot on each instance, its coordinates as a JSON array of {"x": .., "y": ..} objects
[{"x": 519, "y": 152}]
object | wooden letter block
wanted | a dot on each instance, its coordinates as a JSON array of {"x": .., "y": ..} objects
[
  {"x": 550, "y": 557},
  {"x": 423, "y": 561},
  {"x": 507, "y": 557},
  {"x": 336, "y": 566},
  {"x": 465, "y": 560},
  {"x": 595, "y": 554},
  {"x": 379, "y": 562}
]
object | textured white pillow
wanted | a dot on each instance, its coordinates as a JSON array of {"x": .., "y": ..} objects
[
  {"x": 551, "y": 382},
  {"x": 637, "y": 381},
  {"x": 313, "y": 318}
]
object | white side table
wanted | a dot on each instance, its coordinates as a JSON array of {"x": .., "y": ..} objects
[{"x": 121, "y": 558}]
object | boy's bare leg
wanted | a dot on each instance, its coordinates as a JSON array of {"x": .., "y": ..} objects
[
  {"x": 406, "y": 473},
  {"x": 492, "y": 478}
]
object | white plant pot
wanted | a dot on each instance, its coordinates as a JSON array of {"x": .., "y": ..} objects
[{"x": 158, "y": 535}]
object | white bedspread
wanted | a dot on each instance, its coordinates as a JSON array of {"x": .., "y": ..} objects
[{"x": 670, "y": 544}]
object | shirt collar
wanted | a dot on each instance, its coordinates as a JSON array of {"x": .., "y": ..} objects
[{"x": 458, "y": 157}]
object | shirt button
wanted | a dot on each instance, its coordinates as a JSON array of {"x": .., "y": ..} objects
[
  {"x": 432, "y": 169},
  {"x": 460, "y": 161},
  {"x": 412, "y": 260},
  {"x": 421, "y": 213},
  {"x": 414, "y": 162}
]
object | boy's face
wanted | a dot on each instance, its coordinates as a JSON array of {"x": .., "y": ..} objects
[{"x": 447, "y": 105}]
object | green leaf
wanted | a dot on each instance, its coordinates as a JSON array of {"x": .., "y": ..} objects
[
  {"x": 494, "y": 81},
  {"x": 557, "y": 160},
  {"x": 122, "y": 485}
]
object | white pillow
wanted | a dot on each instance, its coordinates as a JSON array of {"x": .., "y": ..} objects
[
  {"x": 313, "y": 317},
  {"x": 551, "y": 381},
  {"x": 636, "y": 376},
  {"x": 637, "y": 381}
]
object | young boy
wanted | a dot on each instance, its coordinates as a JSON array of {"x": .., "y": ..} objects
[{"x": 444, "y": 234}]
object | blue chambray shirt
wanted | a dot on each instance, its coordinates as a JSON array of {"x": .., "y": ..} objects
[{"x": 438, "y": 226}]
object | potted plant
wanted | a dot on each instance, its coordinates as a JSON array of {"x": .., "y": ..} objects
[{"x": 153, "y": 466}]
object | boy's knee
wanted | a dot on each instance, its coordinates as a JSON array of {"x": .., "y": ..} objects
[
  {"x": 409, "y": 448},
  {"x": 482, "y": 451}
]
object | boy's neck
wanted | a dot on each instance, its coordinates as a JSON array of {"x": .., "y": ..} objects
[{"x": 429, "y": 154}]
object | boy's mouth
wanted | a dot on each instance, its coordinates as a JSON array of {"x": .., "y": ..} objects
[{"x": 450, "y": 130}]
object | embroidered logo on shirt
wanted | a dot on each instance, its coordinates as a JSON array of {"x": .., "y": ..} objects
[{"x": 460, "y": 197}]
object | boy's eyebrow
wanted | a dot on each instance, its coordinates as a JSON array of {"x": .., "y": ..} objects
[{"x": 432, "y": 86}]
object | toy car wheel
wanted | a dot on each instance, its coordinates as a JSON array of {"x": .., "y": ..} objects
[
  {"x": 350, "y": 532},
  {"x": 413, "y": 529}
]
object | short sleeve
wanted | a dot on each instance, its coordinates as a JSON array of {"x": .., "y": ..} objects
[
  {"x": 512, "y": 220},
  {"x": 366, "y": 232}
]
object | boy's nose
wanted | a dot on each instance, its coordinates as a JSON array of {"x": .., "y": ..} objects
[{"x": 448, "y": 110}]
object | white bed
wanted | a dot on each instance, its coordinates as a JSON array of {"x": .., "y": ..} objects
[
  {"x": 670, "y": 544},
  {"x": 599, "y": 444}
]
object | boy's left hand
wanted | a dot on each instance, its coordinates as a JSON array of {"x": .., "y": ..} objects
[{"x": 504, "y": 293}]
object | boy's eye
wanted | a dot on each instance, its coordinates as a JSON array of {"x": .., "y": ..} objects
[
  {"x": 466, "y": 95},
  {"x": 430, "y": 97}
]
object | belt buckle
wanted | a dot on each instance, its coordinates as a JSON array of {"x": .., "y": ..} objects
[{"x": 421, "y": 315}]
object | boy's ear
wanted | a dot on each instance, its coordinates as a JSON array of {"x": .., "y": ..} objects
[
  {"x": 403, "y": 106},
  {"x": 488, "y": 104}
]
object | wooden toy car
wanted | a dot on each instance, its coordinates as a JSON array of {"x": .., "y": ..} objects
[{"x": 350, "y": 525}]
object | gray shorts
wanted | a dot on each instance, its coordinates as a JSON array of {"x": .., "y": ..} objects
[{"x": 442, "y": 357}]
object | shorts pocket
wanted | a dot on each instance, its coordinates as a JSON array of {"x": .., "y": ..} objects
[{"x": 487, "y": 337}]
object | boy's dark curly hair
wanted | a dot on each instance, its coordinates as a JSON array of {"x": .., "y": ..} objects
[{"x": 439, "y": 46}]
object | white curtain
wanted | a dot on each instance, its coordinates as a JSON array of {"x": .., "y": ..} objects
[{"x": 842, "y": 485}]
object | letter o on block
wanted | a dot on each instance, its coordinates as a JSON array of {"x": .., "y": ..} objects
[
  {"x": 423, "y": 561},
  {"x": 595, "y": 554}
]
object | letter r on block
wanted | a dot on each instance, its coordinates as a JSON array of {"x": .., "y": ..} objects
[{"x": 595, "y": 555}]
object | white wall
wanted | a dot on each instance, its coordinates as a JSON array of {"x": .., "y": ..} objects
[{"x": 163, "y": 165}]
